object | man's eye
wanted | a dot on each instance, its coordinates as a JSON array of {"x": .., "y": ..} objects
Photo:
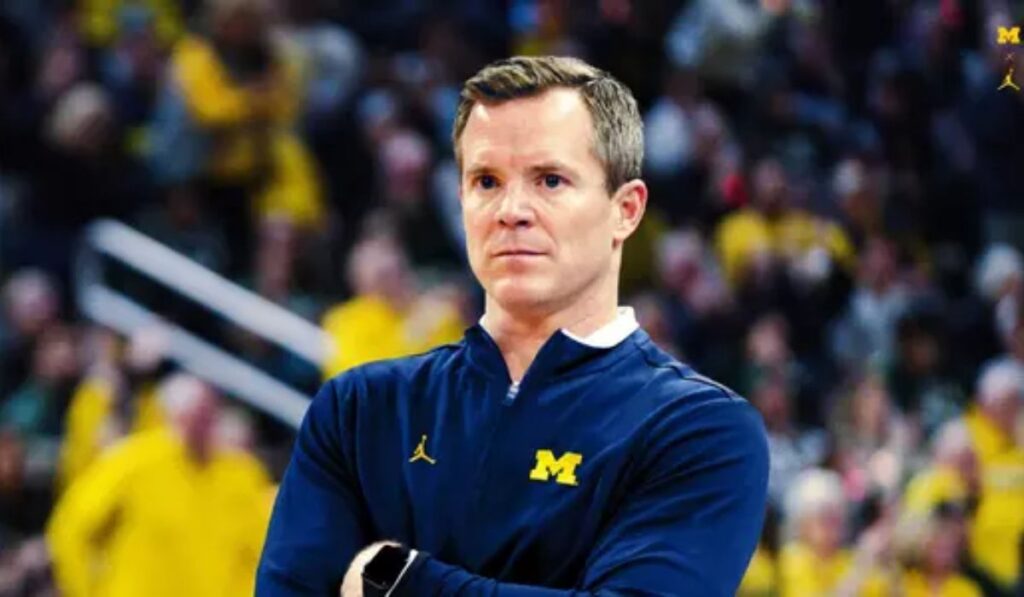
[
  {"x": 552, "y": 181},
  {"x": 487, "y": 182}
]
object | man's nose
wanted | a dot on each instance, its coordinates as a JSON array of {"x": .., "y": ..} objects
[{"x": 515, "y": 208}]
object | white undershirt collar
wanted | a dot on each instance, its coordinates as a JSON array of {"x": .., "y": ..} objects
[
  {"x": 611, "y": 333},
  {"x": 608, "y": 335}
]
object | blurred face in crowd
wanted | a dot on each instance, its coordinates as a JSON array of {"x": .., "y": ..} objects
[
  {"x": 12, "y": 462},
  {"x": 770, "y": 186},
  {"x": 966, "y": 463},
  {"x": 858, "y": 194},
  {"x": 378, "y": 267},
  {"x": 240, "y": 24},
  {"x": 920, "y": 350},
  {"x": 768, "y": 342},
  {"x": 198, "y": 419},
  {"x": 405, "y": 160},
  {"x": 30, "y": 303},
  {"x": 878, "y": 265},
  {"x": 823, "y": 530},
  {"x": 1003, "y": 409},
  {"x": 871, "y": 408},
  {"x": 56, "y": 359},
  {"x": 944, "y": 544},
  {"x": 542, "y": 232},
  {"x": 275, "y": 258},
  {"x": 772, "y": 398}
]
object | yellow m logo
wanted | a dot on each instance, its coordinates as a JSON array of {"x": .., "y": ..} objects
[
  {"x": 564, "y": 467},
  {"x": 1008, "y": 35}
]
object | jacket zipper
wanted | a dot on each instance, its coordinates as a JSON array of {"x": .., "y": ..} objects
[
  {"x": 510, "y": 395},
  {"x": 483, "y": 473}
]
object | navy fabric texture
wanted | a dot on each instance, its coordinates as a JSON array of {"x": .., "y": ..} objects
[{"x": 653, "y": 482}]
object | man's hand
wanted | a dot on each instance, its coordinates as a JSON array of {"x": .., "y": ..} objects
[{"x": 352, "y": 585}]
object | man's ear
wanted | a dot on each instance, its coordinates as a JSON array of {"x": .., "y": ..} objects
[{"x": 628, "y": 204}]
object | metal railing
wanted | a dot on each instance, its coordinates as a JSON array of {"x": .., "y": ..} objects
[{"x": 111, "y": 308}]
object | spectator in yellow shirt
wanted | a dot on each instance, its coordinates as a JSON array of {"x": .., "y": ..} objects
[
  {"x": 935, "y": 543},
  {"x": 770, "y": 230},
  {"x": 226, "y": 115},
  {"x": 169, "y": 512},
  {"x": 386, "y": 319},
  {"x": 952, "y": 477},
  {"x": 112, "y": 401},
  {"x": 815, "y": 562},
  {"x": 993, "y": 420},
  {"x": 239, "y": 85},
  {"x": 998, "y": 526},
  {"x": 92, "y": 423}
]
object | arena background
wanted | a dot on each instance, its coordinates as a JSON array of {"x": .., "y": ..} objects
[{"x": 263, "y": 193}]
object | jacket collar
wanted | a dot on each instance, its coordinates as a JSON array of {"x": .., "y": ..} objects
[
  {"x": 611, "y": 333},
  {"x": 562, "y": 352}
]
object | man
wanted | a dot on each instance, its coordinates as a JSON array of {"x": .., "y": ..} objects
[
  {"x": 815, "y": 560},
  {"x": 165, "y": 512},
  {"x": 998, "y": 525},
  {"x": 564, "y": 453},
  {"x": 952, "y": 476}
]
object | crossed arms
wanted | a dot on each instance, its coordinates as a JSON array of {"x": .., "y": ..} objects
[{"x": 688, "y": 528}]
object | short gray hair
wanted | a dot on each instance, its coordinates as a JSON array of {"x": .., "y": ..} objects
[
  {"x": 1000, "y": 379},
  {"x": 180, "y": 392},
  {"x": 952, "y": 438},
  {"x": 813, "y": 491},
  {"x": 618, "y": 128},
  {"x": 999, "y": 263}
]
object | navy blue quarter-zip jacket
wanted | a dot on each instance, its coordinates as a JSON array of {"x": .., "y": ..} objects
[{"x": 605, "y": 471}]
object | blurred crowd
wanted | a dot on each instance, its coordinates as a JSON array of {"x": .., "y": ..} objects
[{"x": 835, "y": 230}]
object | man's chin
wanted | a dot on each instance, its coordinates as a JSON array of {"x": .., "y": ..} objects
[{"x": 521, "y": 293}]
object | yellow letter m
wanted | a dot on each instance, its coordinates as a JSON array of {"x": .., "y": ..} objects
[
  {"x": 1008, "y": 35},
  {"x": 564, "y": 468}
]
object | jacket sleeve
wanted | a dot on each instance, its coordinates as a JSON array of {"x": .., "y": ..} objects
[
  {"x": 318, "y": 522},
  {"x": 689, "y": 527}
]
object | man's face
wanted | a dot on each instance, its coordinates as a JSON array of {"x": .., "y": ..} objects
[
  {"x": 770, "y": 187},
  {"x": 244, "y": 29},
  {"x": 824, "y": 530},
  {"x": 942, "y": 548},
  {"x": 199, "y": 421},
  {"x": 1004, "y": 409},
  {"x": 541, "y": 229}
]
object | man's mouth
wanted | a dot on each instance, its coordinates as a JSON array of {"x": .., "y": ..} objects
[{"x": 518, "y": 253}]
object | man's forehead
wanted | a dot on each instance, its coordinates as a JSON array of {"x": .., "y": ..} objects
[
  {"x": 560, "y": 99},
  {"x": 553, "y": 125},
  {"x": 554, "y": 103}
]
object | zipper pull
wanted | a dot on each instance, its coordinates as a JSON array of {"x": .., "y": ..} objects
[{"x": 512, "y": 391}]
